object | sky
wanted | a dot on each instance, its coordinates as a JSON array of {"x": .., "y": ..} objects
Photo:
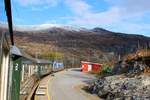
[{"x": 127, "y": 16}]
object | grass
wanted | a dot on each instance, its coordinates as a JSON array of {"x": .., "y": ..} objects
[{"x": 106, "y": 71}]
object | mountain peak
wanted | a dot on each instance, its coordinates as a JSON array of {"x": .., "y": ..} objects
[{"x": 98, "y": 29}]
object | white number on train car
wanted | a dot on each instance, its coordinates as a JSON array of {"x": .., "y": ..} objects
[{"x": 16, "y": 67}]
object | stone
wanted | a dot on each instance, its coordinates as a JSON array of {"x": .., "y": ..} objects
[{"x": 118, "y": 88}]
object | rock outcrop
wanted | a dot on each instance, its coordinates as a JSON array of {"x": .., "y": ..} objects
[{"x": 119, "y": 87}]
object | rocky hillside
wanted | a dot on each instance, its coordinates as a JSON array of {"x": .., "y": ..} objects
[
  {"x": 82, "y": 44},
  {"x": 128, "y": 80}
]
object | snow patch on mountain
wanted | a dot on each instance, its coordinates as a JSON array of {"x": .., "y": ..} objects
[{"x": 43, "y": 27}]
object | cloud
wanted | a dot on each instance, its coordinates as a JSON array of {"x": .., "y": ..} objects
[
  {"x": 131, "y": 6},
  {"x": 32, "y": 3},
  {"x": 79, "y": 7},
  {"x": 121, "y": 15},
  {"x": 84, "y": 14},
  {"x": 130, "y": 28},
  {"x": 86, "y": 17},
  {"x": 39, "y": 8},
  {"x": 96, "y": 19}
]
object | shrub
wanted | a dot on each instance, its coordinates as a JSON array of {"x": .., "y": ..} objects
[{"x": 105, "y": 71}]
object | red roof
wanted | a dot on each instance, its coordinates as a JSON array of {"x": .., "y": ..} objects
[{"x": 90, "y": 62}]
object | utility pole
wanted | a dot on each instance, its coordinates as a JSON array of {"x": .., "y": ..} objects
[
  {"x": 72, "y": 58},
  {"x": 56, "y": 52},
  {"x": 138, "y": 45},
  {"x": 37, "y": 53},
  {"x": 119, "y": 57},
  {"x": 72, "y": 61},
  {"x": 74, "y": 48},
  {"x": 38, "y": 66}
]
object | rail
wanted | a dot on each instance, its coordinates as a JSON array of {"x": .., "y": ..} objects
[{"x": 27, "y": 87}]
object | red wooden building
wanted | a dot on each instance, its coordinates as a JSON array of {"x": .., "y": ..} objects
[{"x": 89, "y": 66}]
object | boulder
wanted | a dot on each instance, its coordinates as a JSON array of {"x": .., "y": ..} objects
[{"x": 123, "y": 88}]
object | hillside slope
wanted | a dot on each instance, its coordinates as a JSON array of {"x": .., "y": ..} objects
[{"x": 83, "y": 44}]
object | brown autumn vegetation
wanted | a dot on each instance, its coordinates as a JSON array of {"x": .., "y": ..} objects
[{"x": 95, "y": 45}]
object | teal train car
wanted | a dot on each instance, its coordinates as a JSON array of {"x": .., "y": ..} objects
[
  {"x": 18, "y": 71},
  {"x": 9, "y": 62}
]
